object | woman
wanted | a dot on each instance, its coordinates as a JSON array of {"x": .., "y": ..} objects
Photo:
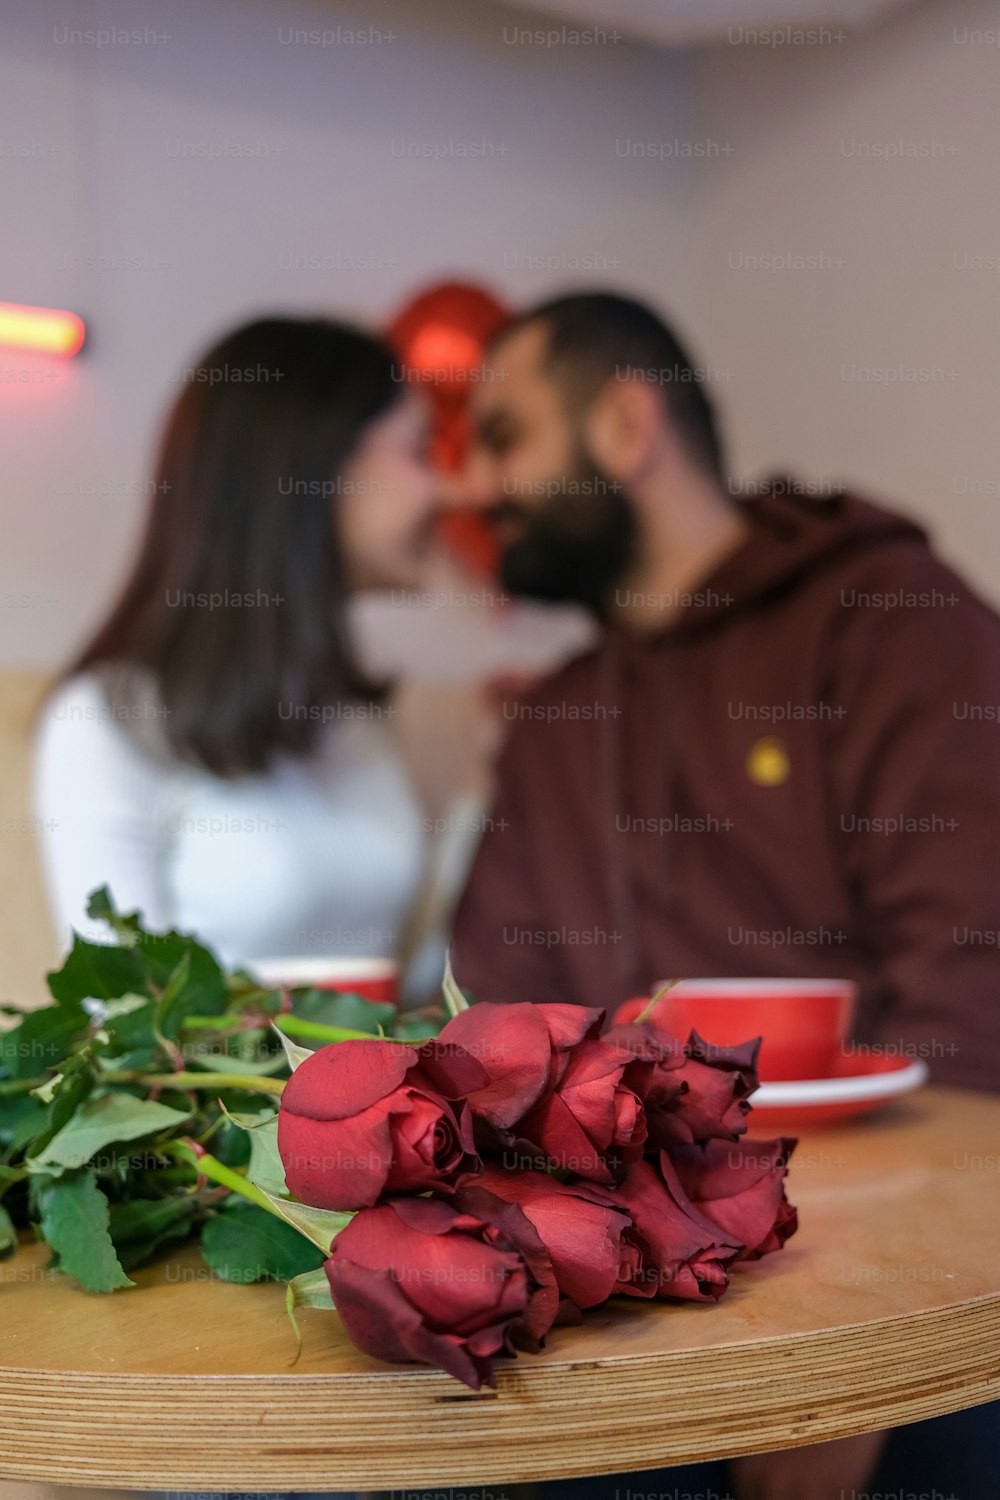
[{"x": 216, "y": 755}]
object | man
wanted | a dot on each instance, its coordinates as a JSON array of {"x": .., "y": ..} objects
[
  {"x": 782, "y": 759},
  {"x": 784, "y": 756}
]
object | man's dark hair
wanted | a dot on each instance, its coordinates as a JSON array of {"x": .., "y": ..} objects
[{"x": 594, "y": 337}]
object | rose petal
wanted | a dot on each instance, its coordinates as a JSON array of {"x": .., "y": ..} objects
[
  {"x": 512, "y": 1043},
  {"x": 345, "y": 1078},
  {"x": 543, "y": 1303},
  {"x": 381, "y": 1321},
  {"x": 455, "y": 1277},
  {"x": 450, "y": 1070},
  {"x": 740, "y": 1187},
  {"x": 691, "y": 1254},
  {"x": 587, "y": 1089},
  {"x": 554, "y": 1129},
  {"x": 339, "y": 1164},
  {"x": 586, "y": 1240},
  {"x": 426, "y": 1144},
  {"x": 741, "y": 1058}
]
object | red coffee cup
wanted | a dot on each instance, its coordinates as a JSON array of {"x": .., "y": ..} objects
[
  {"x": 803, "y": 1022},
  {"x": 372, "y": 978}
]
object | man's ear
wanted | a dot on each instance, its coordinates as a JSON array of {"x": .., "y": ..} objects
[{"x": 623, "y": 428}]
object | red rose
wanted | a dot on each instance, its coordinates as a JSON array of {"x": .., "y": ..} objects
[
  {"x": 588, "y": 1122},
  {"x": 523, "y": 1049},
  {"x": 690, "y": 1091},
  {"x": 359, "y": 1119},
  {"x": 691, "y": 1255},
  {"x": 413, "y": 1279},
  {"x": 594, "y": 1249},
  {"x": 653, "y": 1060},
  {"x": 741, "y": 1188}
]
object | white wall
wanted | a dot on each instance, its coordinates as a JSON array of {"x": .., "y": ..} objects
[
  {"x": 161, "y": 251},
  {"x": 894, "y": 237},
  {"x": 106, "y": 212}
]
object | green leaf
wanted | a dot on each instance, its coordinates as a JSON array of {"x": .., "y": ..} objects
[
  {"x": 42, "y": 1040},
  {"x": 100, "y": 1122},
  {"x": 141, "y": 1226},
  {"x": 168, "y": 1016},
  {"x": 101, "y": 908},
  {"x": 115, "y": 1011},
  {"x": 137, "y": 1252},
  {"x": 46, "y": 1091},
  {"x": 319, "y": 1035},
  {"x": 311, "y": 1289},
  {"x": 22, "y": 1119},
  {"x": 77, "y": 1068},
  {"x": 99, "y": 971},
  {"x": 8, "y": 1234},
  {"x": 249, "y": 1244},
  {"x": 245, "y": 993},
  {"x": 65, "y": 1092},
  {"x": 249, "y": 1119},
  {"x": 224, "y": 1062},
  {"x": 128, "y": 1024},
  {"x": 159, "y": 952},
  {"x": 141, "y": 963},
  {"x": 205, "y": 992},
  {"x": 266, "y": 1169},
  {"x": 294, "y": 1054},
  {"x": 321, "y": 1225},
  {"x": 230, "y": 1145},
  {"x": 10, "y": 1175},
  {"x": 74, "y": 1223},
  {"x": 138, "y": 1218},
  {"x": 414, "y": 1028},
  {"x": 453, "y": 996},
  {"x": 351, "y": 1012}
]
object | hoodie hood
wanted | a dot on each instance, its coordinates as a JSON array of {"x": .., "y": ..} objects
[{"x": 794, "y": 534}]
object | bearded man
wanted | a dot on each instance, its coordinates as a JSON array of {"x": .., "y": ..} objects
[
  {"x": 783, "y": 757},
  {"x": 782, "y": 760}
]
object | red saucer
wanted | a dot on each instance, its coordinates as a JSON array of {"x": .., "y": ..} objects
[{"x": 859, "y": 1085}]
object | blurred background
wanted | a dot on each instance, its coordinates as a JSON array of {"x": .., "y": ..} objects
[{"x": 805, "y": 186}]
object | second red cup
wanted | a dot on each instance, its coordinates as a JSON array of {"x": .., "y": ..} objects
[
  {"x": 372, "y": 978},
  {"x": 804, "y": 1022}
]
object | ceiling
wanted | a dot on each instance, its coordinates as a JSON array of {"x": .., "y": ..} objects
[{"x": 684, "y": 22}]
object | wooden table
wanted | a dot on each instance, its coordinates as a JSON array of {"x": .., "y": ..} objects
[{"x": 884, "y": 1309}]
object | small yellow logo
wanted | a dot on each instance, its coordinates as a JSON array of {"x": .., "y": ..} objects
[{"x": 767, "y": 762}]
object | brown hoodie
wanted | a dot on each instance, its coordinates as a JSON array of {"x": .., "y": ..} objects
[{"x": 799, "y": 776}]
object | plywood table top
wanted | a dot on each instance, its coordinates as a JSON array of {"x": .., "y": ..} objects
[{"x": 884, "y": 1309}]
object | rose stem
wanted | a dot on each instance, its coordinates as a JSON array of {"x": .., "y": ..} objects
[
  {"x": 245, "y": 1082},
  {"x": 296, "y": 1027},
  {"x": 645, "y": 1014},
  {"x": 210, "y": 1167}
]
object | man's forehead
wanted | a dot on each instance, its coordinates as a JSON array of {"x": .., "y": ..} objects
[{"x": 514, "y": 368}]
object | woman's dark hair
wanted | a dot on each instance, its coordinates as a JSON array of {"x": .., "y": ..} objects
[{"x": 235, "y": 605}]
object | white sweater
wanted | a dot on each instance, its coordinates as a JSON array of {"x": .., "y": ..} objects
[{"x": 322, "y": 855}]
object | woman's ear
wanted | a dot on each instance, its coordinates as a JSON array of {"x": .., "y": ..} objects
[{"x": 623, "y": 428}]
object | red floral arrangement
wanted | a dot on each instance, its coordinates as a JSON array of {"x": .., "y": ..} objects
[{"x": 521, "y": 1167}]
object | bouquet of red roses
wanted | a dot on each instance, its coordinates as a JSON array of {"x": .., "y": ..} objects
[{"x": 521, "y": 1167}]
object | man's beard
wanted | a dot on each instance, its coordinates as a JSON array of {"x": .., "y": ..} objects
[{"x": 576, "y": 543}]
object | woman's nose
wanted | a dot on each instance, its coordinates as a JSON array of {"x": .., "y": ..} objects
[
  {"x": 451, "y": 492},
  {"x": 476, "y": 485}
]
